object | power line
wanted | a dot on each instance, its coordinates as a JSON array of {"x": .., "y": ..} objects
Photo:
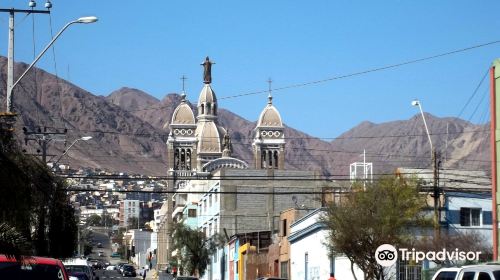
[{"x": 363, "y": 72}]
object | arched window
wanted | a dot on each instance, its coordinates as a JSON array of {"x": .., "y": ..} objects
[
  {"x": 183, "y": 159},
  {"x": 176, "y": 159},
  {"x": 188, "y": 159},
  {"x": 209, "y": 106},
  {"x": 202, "y": 109},
  {"x": 215, "y": 109},
  {"x": 275, "y": 159},
  {"x": 270, "y": 158}
]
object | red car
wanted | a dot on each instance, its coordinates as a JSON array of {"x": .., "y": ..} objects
[{"x": 32, "y": 268}]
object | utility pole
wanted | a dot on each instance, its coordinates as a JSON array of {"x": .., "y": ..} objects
[
  {"x": 10, "y": 52},
  {"x": 8, "y": 118},
  {"x": 494, "y": 139},
  {"x": 436, "y": 194},
  {"x": 43, "y": 138}
]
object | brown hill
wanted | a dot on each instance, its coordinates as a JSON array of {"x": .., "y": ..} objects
[{"x": 129, "y": 135}]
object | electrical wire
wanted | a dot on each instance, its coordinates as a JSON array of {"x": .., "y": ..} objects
[{"x": 358, "y": 73}]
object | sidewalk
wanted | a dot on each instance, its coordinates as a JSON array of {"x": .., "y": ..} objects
[{"x": 152, "y": 274}]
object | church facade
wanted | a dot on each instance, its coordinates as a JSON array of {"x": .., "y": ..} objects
[{"x": 221, "y": 194}]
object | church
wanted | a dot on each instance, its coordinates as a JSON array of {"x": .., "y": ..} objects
[
  {"x": 217, "y": 193},
  {"x": 200, "y": 144}
]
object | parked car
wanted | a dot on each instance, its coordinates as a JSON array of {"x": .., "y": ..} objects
[
  {"x": 186, "y": 278},
  {"x": 32, "y": 268},
  {"x": 79, "y": 275},
  {"x": 480, "y": 272},
  {"x": 111, "y": 267},
  {"x": 95, "y": 264},
  {"x": 469, "y": 272},
  {"x": 128, "y": 270},
  {"x": 447, "y": 273},
  {"x": 119, "y": 267},
  {"x": 80, "y": 266}
]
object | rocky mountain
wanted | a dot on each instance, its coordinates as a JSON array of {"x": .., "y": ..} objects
[{"x": 129, "y": 132}]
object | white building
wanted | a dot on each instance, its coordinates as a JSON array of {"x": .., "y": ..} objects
[
  {"x": 308, "y": 254},
  {"x": 129, "y": 209},
  {"x": 470, "y": 212},
  {"x": 140, "y": 243}
]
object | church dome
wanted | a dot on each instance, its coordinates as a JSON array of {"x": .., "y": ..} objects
[
  {"x": 270, "y": 116},
  {"x": 207, "y": 95},
  {"x": 209, "y": 137},
  {"x": 183, "y": 114}
]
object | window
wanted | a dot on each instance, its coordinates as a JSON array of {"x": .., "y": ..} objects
[
  {"x": 210, "y": 201},
  {"x": 484, "y": 276},
  {"x": 446, "y": 275},
  {"x": 470, "y": 217},
  {"x": 192, "y": 213},
  {"x": 284, "y": 269},
  {"x": 283, "y": 228},
  {"x": 468, "y": 275},
  {"x": 306, "y": 265}
]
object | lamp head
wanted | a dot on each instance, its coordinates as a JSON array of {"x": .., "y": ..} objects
[
  {"x": 85, "y": 138},
  {"x": 90, "y": 19},
  {"x": 415, "y": 102}
]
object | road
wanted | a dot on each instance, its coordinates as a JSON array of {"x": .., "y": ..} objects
[
  {"x": 100, "y": 236},
  {"x": 112, "y": 274}
]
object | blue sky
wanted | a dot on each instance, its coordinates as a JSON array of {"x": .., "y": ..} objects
[{"x": 149, "y": 45}]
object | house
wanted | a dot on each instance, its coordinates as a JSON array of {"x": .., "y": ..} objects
[
  {"x": 309, "y": 258},
  {"x": 245, "y": 256},
  {"x": 279, "y": 252}
]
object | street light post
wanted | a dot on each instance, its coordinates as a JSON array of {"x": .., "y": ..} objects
[
  {"x": 84, "y": 138},
  {"x": 436, "y": 190},
  {"x": 10, "y": 80}
]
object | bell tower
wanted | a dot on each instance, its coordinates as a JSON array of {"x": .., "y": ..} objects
[{"x": 269, "y": 141}]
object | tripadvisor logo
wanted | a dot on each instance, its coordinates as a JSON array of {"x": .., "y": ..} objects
[{"x": 387, "y": 255}]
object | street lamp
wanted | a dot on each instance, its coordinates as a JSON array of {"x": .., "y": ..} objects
[
  {"x": 436, "y": 191},
  {"x": 10, "y": 72},
  {"x": 416, "y": 102},
  {"x": 84, "y": 138}
]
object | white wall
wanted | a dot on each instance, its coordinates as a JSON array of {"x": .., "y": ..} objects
[{"x": 312, "y": 244}]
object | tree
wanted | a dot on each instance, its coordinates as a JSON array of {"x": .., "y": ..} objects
[
  {"x": 469, "y": 241},
  {"x": 94, "y": 220},
  {"x": 194, "y": 249},
  {"x": 34, "y": 204},
  {"x": 384, "y": 213},
  {"x": 12, "y": 243}
]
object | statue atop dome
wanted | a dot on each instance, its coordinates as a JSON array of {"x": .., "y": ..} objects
[{"x": 207, "y": 70}]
